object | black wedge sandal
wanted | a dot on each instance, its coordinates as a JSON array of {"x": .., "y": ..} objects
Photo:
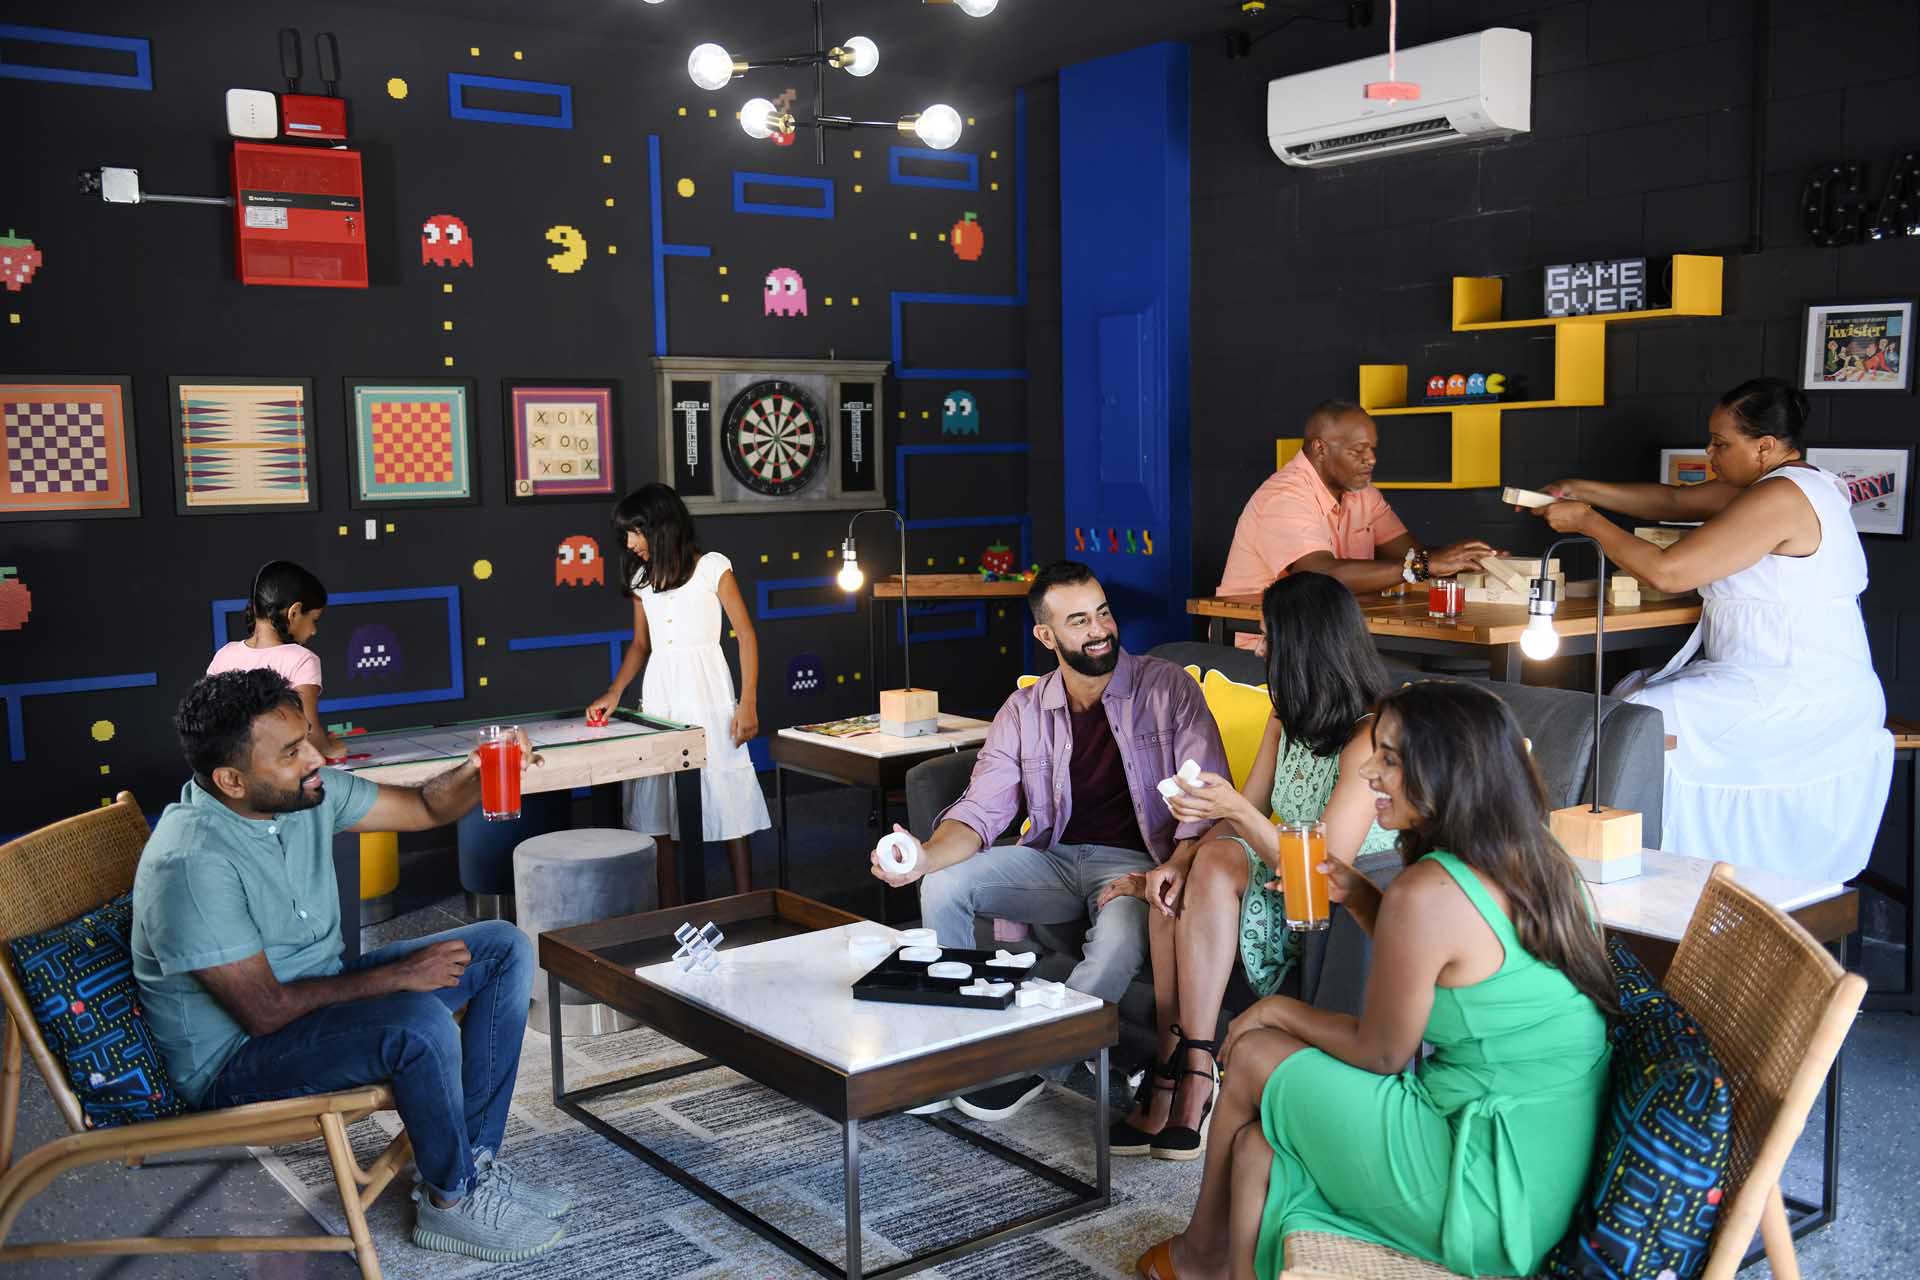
[
  {"x": 1177, "y": 1142},
  {"x": 1122, "y": 1138}
]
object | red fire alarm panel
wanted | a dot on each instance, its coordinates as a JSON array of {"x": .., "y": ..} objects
[{"x": 299, "y": 215}]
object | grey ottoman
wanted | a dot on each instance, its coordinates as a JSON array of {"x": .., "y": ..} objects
[{"x": 565, "y": 878}]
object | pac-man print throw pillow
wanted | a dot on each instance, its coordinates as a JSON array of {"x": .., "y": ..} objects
[
  {"x": 78, "y": 979},
  {"x": 1656, "y": 1188}
]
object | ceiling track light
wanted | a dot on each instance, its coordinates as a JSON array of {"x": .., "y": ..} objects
[{"x": 712, "y": 67}]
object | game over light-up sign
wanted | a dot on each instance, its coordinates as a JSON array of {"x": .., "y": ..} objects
[{"x": 1590, "y": 288}]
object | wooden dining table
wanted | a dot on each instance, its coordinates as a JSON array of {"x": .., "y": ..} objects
[{"x": 1488, "y": 631}]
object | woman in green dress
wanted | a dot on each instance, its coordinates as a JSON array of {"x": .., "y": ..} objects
[
  {"x": 1323, "y": 676},
  {"x": 1485, "y": 947}
]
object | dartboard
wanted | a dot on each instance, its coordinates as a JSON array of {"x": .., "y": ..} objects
[{"x": 774, "y": 438}]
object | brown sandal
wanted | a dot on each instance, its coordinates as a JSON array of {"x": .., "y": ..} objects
[{"x": 1157, "y": 1263}]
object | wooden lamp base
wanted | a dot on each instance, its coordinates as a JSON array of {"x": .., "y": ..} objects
[
  {"x": 1605, "y": 846},
  {"x": 909, "y": 713}
]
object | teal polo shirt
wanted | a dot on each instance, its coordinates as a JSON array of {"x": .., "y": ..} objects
[{"x": 214, "y": 887}]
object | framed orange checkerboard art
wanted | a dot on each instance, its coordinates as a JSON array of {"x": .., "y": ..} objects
[
  {"x": 410, "y": 443},
  {"x": 67, "y": 449}
]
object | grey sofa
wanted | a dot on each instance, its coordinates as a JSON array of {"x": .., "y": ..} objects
[{"x": 1333, "y": 965}]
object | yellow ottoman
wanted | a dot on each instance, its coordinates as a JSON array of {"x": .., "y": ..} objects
[{"x": 379, "y": 875}]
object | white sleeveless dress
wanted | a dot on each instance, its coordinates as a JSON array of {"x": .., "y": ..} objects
[
  {"x": 1783, "y": 758},
  {"x": 687, "y": 680}
]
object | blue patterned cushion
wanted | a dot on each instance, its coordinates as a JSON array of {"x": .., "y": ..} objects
[
  {"x": 1655, "y": 1191},
  {"x": 79, "y": 980}
]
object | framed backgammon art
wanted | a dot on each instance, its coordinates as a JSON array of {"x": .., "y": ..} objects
[
  {"x": 562, "y": 439},
  {"x": 67, "y": 448},
  {"x": 753, "y": 435},
  {"x": 410, "y": 442},
  {"x": 243, "y": 445}
]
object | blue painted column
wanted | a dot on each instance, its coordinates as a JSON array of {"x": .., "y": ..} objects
[{"x": 1125, "y": 259}]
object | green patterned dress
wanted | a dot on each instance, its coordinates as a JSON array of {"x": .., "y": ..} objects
[{"x": 1302, "y": 785}]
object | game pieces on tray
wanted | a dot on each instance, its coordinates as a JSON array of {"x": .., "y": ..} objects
[{"x": 953, "y": 977}]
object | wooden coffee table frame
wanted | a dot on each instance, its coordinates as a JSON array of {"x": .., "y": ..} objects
[{"x": 572, "y": 956}]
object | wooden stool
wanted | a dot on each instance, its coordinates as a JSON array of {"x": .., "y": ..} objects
[{"x": 1906, "y": 742}]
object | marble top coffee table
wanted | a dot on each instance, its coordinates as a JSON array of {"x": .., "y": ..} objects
[{"x": 780, "y": 1010}]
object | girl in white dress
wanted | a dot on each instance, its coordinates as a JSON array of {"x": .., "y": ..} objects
[
  {"x": 678, "y": 594},
  {"x": 1782, "y": 759}
]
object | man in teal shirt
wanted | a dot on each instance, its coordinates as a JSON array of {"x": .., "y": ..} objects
[{"x": 237, "y": 950}]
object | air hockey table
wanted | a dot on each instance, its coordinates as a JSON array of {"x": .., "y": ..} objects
[{"x": 573, "y": 753}]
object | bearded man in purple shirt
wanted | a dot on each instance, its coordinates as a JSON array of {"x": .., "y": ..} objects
[{"x": 1081, "y": 752}]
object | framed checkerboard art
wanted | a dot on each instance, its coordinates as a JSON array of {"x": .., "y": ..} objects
[
  {"x": 410, "y": 442},
  {"x": 243, "y": 445},
  {"x": 67, "y": 449}
]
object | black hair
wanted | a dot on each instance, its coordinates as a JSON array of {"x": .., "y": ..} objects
[
  {"x": 277, "y": 587},
  {"x": 1768, "y": 407},
  {"x": 215, "y": 719},
  {"x": 656, "y": 512},
  {"x": 1323, "y": 672},
  {"x": 1061, "y": 573},
  {"x": 1472, "y": 784}
]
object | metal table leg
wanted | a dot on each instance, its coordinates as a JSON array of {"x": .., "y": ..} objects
[
  {"x": 1515, "y": 664},
  {"x": 691, "y": 849},
  {"x": 780, "y": 831},
  {"x": 1907, "y": 998},
  {"x": 851, "y": 1131}
]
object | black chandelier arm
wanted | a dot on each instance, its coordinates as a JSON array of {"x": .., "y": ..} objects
[
  {"x": 906, "y": 638},
  {"x": 1599, "y": 636}
]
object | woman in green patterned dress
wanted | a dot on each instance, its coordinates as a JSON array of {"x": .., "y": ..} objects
[
  {"x": 1487, "y": 948},
  {"x": 1323, "y": 676}
]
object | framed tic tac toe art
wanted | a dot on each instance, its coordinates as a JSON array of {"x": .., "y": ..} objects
[
  {"x": 67, "y": 449},
  {"x": 561, "y": 439},
  {"x": 410, "y": 442},
  {"x": 243, "y": 445}
]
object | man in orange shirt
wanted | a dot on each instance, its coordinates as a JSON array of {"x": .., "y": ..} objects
[{"x": 1321, "y": 514}]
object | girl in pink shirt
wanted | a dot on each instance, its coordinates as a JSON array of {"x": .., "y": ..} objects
[{"x": 283, "y": 612}]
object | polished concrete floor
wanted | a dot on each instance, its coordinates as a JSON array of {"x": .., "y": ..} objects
[{"x": 230, "y": 1194}]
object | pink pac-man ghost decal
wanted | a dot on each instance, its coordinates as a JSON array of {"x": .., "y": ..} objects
[{"x": 786, "y": 293}]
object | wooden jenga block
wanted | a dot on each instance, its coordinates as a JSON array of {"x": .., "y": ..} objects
[
  {"x": 1470, "y": 578},
  {"x": 1659, "y": 535}
]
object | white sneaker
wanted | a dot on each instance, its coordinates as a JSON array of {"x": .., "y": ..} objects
[{"x": 933, "y": 1108}]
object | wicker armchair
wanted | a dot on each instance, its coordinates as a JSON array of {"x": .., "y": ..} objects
[
  {"x": 52, "y": 875},
  {"x": 1776, "y": 1008}
]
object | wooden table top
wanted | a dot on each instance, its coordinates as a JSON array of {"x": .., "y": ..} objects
[
  {"x": 946, "y": 586},
  {"x": 1906, "y": 733},
  {"x": 1488, "y": 624}
]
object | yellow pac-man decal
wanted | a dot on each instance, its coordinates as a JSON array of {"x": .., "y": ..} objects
[{"x": 573, "y": 249}]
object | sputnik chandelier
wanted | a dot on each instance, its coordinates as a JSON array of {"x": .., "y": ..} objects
[{"x": 713, "y": 68}]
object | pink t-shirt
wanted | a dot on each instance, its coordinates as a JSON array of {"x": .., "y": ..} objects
[{"x": 294, "y": 661}]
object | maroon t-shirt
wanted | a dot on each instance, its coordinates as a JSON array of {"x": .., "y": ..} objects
[{"x": 1102, "y": 803}]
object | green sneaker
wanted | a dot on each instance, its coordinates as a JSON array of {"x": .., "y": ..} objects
[
  {"x": 488, "y": 1224},
  {"x": 545, "y": 1201}
]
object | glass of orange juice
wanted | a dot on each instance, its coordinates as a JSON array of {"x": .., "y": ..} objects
[{"x": 1303, "y": 847}]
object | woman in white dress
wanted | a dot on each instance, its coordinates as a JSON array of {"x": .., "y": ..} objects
[
  {"x": 1782, "y": 759},
  {"x": 678, "y": 594}
]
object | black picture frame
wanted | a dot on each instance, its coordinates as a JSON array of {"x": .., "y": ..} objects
[
  {"x": 1814, "y": 378},
  {"x": 310, "y": 448},
  {"x": 358, "y": 498},
  {"x": 526, "y": 488},
  {"x": 20, "y": 510}
]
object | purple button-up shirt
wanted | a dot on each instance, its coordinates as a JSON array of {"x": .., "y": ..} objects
[{"x": 1160, "y": 720}]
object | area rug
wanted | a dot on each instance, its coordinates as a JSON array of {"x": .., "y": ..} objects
[{"x": 919, "y": 1187}]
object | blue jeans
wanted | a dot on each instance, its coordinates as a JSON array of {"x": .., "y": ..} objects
[{"x": 453, "y": 1082}]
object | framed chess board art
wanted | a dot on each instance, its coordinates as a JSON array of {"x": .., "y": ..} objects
[
  {"x": 243, "y": 445},
  {"x": 67, "y": 448},
  {"x": 410, "y": 442},
  {"x": 563, "y": 439}
]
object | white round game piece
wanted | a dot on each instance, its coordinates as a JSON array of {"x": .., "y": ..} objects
[
  {"x": 870, "y": 946},
  {"x": 918, "y": 938},
  {"x": 949, "y": 969},
  {"x": 920, "y": 955},
  {"x": 899, "y": 853}
]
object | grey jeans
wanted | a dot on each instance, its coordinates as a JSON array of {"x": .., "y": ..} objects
[{"x": 1047, "y": 886}]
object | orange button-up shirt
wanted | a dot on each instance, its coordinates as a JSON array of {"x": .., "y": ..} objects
[{"x": 1293, "y": 514}]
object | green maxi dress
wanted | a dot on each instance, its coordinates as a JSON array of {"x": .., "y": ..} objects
[
  {"x": 1474, "y": 1160},
  {"x": 1302, "y": 785}
]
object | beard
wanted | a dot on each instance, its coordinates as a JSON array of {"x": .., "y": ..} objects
[
  {"x": 1092, "y": 666},
  {"x": 268, "y": 800}
]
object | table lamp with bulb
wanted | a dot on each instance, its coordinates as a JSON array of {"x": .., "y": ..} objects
[
  {"x": 1604, "y": 842},
  {"x": 905, "y": 712}
]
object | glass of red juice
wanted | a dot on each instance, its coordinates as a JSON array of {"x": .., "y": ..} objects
[{"x": 500, "y": 761}]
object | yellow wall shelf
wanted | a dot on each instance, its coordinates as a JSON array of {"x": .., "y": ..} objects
[{"x": 1579, "y": 369}]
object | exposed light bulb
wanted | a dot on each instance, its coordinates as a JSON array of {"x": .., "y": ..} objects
[
  {"x": 977, "y": 8},
  {"x": 850, "y": 577},
  {"x": 1540, "y": 640},
  {"x": 652, "y": 1},
  {"x": 710, "y": 66},
  {"x": 866, "y": 56},
  {"x": 938, "y": 126},
  {"x": 757, "y": 118}
]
